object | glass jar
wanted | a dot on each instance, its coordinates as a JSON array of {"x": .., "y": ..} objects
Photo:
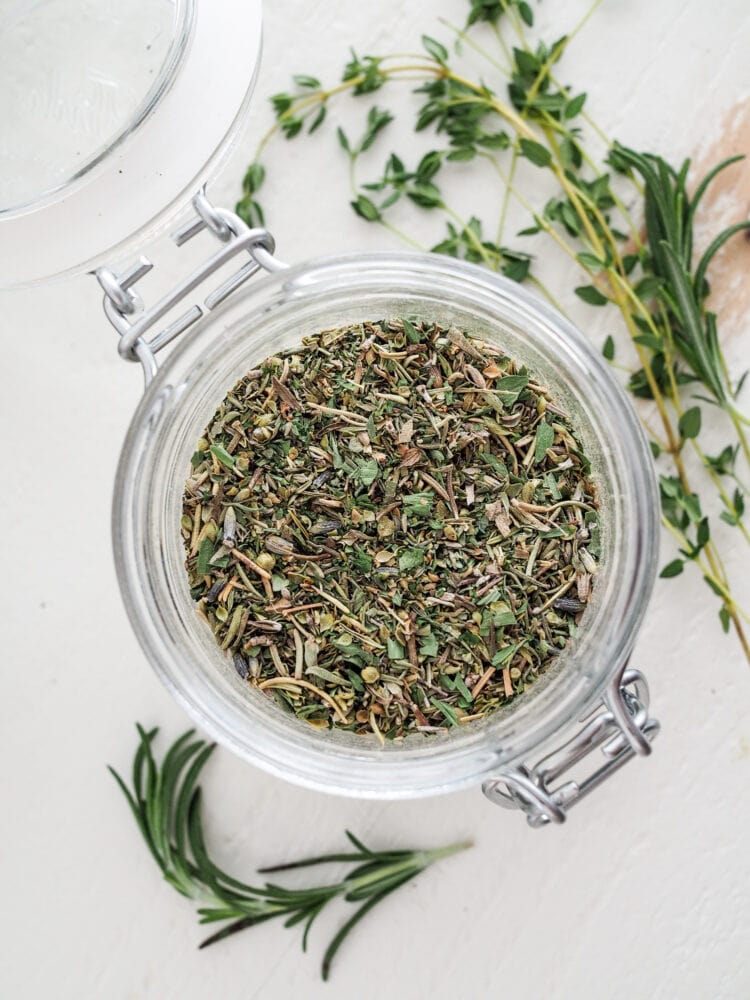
[{"x": 272, "y": 315}]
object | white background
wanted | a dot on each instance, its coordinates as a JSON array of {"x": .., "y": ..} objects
[{"x": 645, "y": 893}]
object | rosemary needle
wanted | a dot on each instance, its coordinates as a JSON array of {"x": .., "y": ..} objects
[{"x": 165, "y": 800}]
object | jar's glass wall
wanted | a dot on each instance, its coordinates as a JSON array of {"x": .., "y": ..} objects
[{"x": 274, "y": 316}]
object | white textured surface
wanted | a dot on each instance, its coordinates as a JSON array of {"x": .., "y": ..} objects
[{"x": 644, "y": 894}]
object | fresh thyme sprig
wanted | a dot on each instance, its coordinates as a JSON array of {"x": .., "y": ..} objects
[
  {"x": 165, "y": 800},
  {"x": 650, "y": 278}
]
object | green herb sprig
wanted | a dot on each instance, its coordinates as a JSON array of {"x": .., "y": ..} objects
[
  {"x": 165, "y": 800},
  {"x": 650, "y": 278}
]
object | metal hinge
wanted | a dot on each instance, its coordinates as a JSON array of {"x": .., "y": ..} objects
[
  {"x": 621, "y": 727},
  {"x": 125, "y": 310}
]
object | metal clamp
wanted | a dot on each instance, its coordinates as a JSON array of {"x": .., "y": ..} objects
[
  {"x": 621, "y": 727},
  {"x": 124, "y": 308}
]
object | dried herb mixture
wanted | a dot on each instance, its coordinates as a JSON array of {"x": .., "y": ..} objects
[{"x": 390, "y": 529}]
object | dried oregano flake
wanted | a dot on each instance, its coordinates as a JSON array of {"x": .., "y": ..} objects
[{"x": 390, "y": 529}]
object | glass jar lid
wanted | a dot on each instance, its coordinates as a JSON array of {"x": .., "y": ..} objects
[{"x": 112, "y": 114}]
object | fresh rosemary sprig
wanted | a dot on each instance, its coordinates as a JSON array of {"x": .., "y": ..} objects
[
  {"x": 165, "y": 800},
  {"x": 650, "y": 278}
]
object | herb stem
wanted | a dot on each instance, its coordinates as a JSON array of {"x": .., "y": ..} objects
[
  {"x": 463, "y": 35},
  {"x": 738, "y": 422},
  {"x": 403, "y": 236},
  {"x": 716, "y": 479},
  {"x": 492, "y": 260},
  {"x": 735, "y": 612},
  {"x": 503, "y": 44},
  {"x": 547, "y": 294},
  {"x": 510, "y": 12},
  {"x": 506, "y": 195},
  {"x": 533, "y": 91}
]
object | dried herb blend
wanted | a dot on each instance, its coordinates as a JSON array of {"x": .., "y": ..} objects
[{"x": 390, "y": 529}]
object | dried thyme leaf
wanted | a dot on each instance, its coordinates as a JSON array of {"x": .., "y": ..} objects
[
  {"x": 545, "y": 438},
  {"x": 222, "y": 455}
]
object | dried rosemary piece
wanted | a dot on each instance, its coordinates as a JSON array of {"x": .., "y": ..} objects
[{"x": 390, "y": 529}]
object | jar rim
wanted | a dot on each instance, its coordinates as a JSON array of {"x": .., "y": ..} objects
[{"x": 163, "y": 616}]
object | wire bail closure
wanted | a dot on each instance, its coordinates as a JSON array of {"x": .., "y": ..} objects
[
  {"x": 124, "y": 307},
  {"x": 621, "y": 727}
]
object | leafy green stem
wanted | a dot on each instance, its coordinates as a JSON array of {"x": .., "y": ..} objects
[
  {"x": 739, "y": 422},
  {"x": 165, "y": 800},
  {"x": 404, "y": 237}
]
